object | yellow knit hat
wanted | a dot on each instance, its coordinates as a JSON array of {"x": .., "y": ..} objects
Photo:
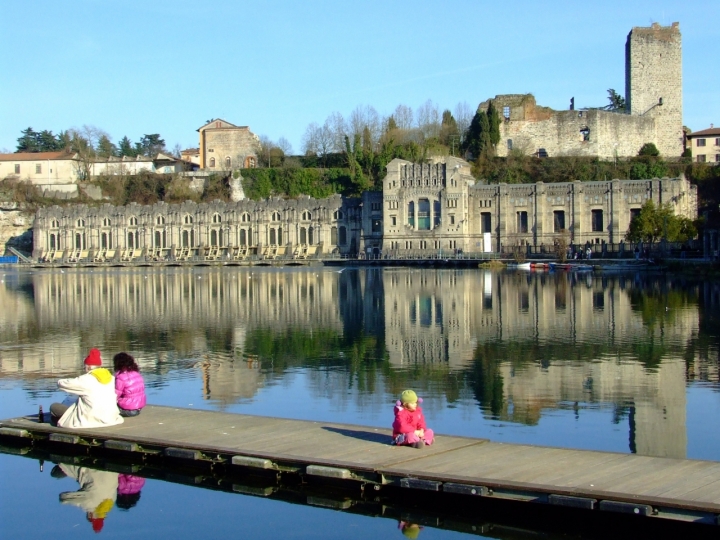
[{"x": 408, "y": 396}]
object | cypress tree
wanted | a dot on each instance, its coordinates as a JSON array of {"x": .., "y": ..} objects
[{"x": 494, "y": 120}]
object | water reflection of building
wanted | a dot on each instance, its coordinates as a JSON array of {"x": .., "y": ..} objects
[
  {"x": 581, "y": 338},
  {"x": 440, "y": 318}
]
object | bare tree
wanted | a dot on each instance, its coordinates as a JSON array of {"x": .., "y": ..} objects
[
  {"x": 338, "y": 129},
  {"x": 83, "y": 142},
  {"x": 284, "y": 145},
  {"x": 310, "y": 139},
  {"x": 177, "y": 151},
  {"x": 463, "y": 117},
  {"x": 365, "y": 116},
  {"x": 428, "y": 119},
  {"x": 403, "y": 117}
]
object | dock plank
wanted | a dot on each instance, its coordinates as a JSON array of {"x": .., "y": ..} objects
[{"x": 675, "y": 483}]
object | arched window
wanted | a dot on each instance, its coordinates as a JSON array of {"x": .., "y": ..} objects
[
  {"x": 106, "y": 222},
  {"x": 160, "y": 220},
  {"x": 55, "y": 224},
  {"x": 303, "y": 235},
  {"x": 217, "y": 218},
  {"x": 106, "y": 241},
  {"x": 250, "y": 162},
  {"x": 228, "y": 162},
  {"x": 132, "y": 221},
  {"x": 275, "y": 216},
  {"x": 273, "y": 238},
  {"x": 185, "y": 239},
  {"x": 338, "y": 214},
  {"x": 188, "y": 219},
  {"x": 79, "y": 241},
  {"x": 80, "y": 223},
  {"x": 52, "y": 241},
  {"x": 311, "y": 236},
  {"x": 243, "y": 238},
  {"x": 213, "y": 238},
  {"x": 212, "y": 162},
  {"x": 343, "y": 236},
  {"x": 131, "y": 240},
  {"x": 245, "y": 218},
  {"x": 306, "y": 216}
]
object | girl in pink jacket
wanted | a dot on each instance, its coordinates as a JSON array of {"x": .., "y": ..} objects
[
  {"x": 129, "y": 385},
  {"x": 409, "y": 427}
]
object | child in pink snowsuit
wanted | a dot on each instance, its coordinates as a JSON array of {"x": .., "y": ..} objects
[{"x": 409, "y": 427}]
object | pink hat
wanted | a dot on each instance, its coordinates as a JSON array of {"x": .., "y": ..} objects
[{"x": 93, "y": 359}]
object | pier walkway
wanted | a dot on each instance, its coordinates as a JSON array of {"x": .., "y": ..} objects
[{"x": 685, "y": 490}]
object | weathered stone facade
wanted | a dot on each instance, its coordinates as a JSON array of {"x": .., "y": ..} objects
[
  {"x": 653, "y": 71},
  {"x": 436, "y": 207},
  {"x": 272, "y": 228},
  {"x": 653, "y": 82},
  {"x": 424, "y": 210},
  {"x": 226, "y": 147}
]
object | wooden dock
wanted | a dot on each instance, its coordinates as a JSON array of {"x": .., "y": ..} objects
[{"x": 683, "y": 490}]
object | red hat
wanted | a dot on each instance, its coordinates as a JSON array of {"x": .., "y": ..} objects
[
  {"x": 93, "y": 359},
  {"x": 97, "y": 523}
]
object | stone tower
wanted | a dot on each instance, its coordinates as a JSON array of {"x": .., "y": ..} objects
[{"x": 653, "y": 82}]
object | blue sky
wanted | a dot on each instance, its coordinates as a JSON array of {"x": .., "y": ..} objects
[{"x": 156, "y": 66}]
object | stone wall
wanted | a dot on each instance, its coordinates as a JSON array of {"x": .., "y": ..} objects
[
  {"x": 653, "y": 71},
  {"x": 237, "y": 144}
]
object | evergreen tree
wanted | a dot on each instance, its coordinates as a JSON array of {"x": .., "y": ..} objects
[
  {"x": 105, "y": 147},
  {"x": 449, "y": 133},
  {"x": 125, "y": 148},
  {"x": 28, "y": 141},
  {"x": 494, "y": 121},
  {"x": 151, "y": 145}
]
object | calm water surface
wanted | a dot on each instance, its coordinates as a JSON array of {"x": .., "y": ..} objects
[{"x": 618, "y": 363}]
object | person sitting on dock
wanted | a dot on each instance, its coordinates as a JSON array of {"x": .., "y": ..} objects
[
  {"x": 96, "y": 405},
  {"x": 409, "y": 427},
  {"x": 129, "y": 385}
]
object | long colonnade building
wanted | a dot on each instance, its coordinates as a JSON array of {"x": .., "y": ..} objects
[{"x": 424, "y": 210}]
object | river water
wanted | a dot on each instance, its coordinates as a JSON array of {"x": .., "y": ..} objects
[{"x": 622, "y": 363}]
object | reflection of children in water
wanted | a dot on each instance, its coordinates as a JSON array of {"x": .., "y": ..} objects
[
  {"x": 409, "y": 529},
  {"x": 97, "y": 493},
  {"x": 128, "y": 492}
]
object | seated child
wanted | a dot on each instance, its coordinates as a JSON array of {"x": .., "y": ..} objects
[
  {"x": 95, "y": 403},
  {"x": 409, "y": 427},
  {"x": 129, "y": 385}
]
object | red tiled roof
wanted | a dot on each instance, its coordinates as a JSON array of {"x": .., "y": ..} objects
[
  {"x": 36, "y": 156},
  {"x": 705, "y": 133}
]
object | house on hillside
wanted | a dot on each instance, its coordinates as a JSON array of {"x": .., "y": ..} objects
[
  {"x": 705, "y": 145},
  {"x": 225, "y": 146},
  {"x": 50, "y": 171}
]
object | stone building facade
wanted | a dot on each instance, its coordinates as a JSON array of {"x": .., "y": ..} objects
[
  {"x": 424, "y": 210},
  {"x": 226, "y": 147},
  {"x": 653, "y": 73},
  {"x": 435, "y": 207}
]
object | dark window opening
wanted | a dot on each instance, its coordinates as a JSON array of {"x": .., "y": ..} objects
[
  {"x": 486, "y": 222},
  {"x": 522, "y": 222},
  {"x": 558, "y": 220},
  {"x": 597, "y": 220}
]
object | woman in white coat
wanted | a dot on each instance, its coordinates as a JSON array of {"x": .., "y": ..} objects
[{"x": 96, "y": 405}]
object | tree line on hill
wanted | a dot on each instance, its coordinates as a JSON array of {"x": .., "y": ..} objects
[{"x": 89, "y": 141}]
